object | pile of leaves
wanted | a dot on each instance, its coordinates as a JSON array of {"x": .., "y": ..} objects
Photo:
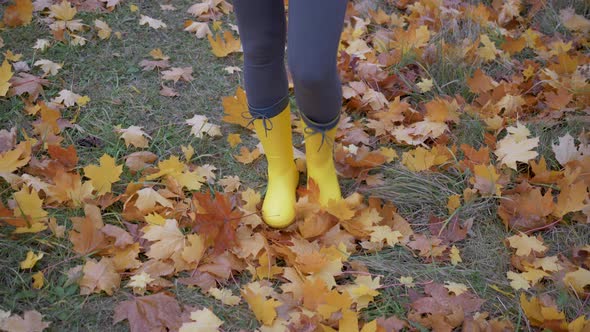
[{"x": 173, "y": 228}]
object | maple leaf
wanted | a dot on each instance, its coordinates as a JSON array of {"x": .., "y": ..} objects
[
  {"x": 86, "y": 235},
  {"x": 48, "y": 66},
  {"x": 573, "y": 21},
  {"x": 264, "y": 309},
  {"x": 571, "y": 198},
  {"x": 246, "y": 156},
  {"x": 234, "y": 107},
  {"x": 151, "y": 22},
  {"x": 566, "y": 150},
  {"x": 69, "y": 188},
  {"x": 27, "y": 83},
  {"x": 488, "y": 51},
  {"x": 99, "y": 276},
  {"x": 122, "y": 237},
  {"x": 539, "y": 313},
  {"x": 480, "y": 82},
  {"x": 31, "y": 259},
  {"x": 147, "y": 199},
  {"x": 516, "y": 146},
  {"x": 139, "y": 282},
  {"x": 168, "y": 239},
  {"x": 204, "y": 321},
  {"x": 234, "y": 139},
  {"x": 21, "y": 13},
  {"x": 216, "y": 220},
  {"x": 224, "y": 295},
  {"x": 178, "y": 73},
  {"x": 69, "y": 98},
  {"x": 104, "y": 30},
  {"x": 578, "y": 280},
  {"x": 30, "y": 208},
  {"x": 155, "y": 312},
  {"x": 230, "y": 183},
  {"x": 200, "y": 125},
  {"x": 528, "y": 210},
  {"x": 517, "y": 280},
  {"x": 151, "y": 65},
  {"x": 32, "y": 321},
  {"x": 64, "y": 11},
  {"x": 5, "y": 76},
  {"x": 67, "y": 157},
  {"x": 103, "y": 176},
  {"x": 133, "y": 135},
  {"x": 224, "y": 44},
  {"x": 200, "y": 29},
  {"x": 525, "y": 244},
  {"x": 364, "y": 290},
  {"x": 16, "y": 158}
]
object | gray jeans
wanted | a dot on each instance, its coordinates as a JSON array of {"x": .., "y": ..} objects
[{"x": 314, "y": 33}]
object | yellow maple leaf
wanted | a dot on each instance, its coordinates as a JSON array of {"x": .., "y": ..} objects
[
  {"x": 419, "y": 159},
  {"x": 16, "y": 158},
  {"x": 578, "y": 280},
  {"x": 235, "y": 108},
  {"x": 30, "y": 260},
  {"x": 516, "y": 146},
  {"x": 64, "y": 11},
  {"x": 139, "y": 281},
  {"x": 264, "y": 310},
  {"x": 525, "y": 244},
  {"x": 233, "y": 139},
  {"x": 488, "y": 51},
  {"x": 29, "y": 206},
  {"x": 455, "y": 287},
  {"x": 204, "y": 320},
  {"x": 171, "y": 166},
  {"x": 147, "y": 199},
  {"x": 485, "y": 180},
  {"x": 155, "y": 219},
  {"x": 425, "y": 85},
  {"x": 340, "y": 209},
  {"x": 21, "y": 13},
  {"x": 38, "y": 280},
  {"x": 133, "y": 135},
  {"x": 221, "y": 46},
  {"x": 348, "y": 322},
  {"x": 103, "y": 176},
  {"x": 571, "y": 198},
  {"x": 5, "y": 76},
  {"x": 188, "y": 152},
  {"x": 364, "y": 290},
  {"x": 455, "y": 255},
  {"x": 224, "y": 295},
  {"x": 246, "y": 156},
  {"x": 517, "y": 280}
]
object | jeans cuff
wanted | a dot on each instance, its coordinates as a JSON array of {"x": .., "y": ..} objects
[
  {"x": 270, "y": 111},
  {"x": 320, "y": 127}
]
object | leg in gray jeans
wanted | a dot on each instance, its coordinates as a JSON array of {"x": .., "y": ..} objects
[{"x": 312, "y": 43}]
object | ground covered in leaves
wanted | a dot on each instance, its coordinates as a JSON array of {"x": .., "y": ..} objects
[{"x": 130, "y": 183}]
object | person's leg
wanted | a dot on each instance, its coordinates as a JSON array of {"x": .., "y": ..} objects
[
  {"x": 262, "y": 30},
  {"x": 313, "y": 37}
]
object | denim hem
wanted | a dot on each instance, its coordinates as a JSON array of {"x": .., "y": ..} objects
[
  {"x": 320, "y": 127},
  {"x": 270, "y": 111}
]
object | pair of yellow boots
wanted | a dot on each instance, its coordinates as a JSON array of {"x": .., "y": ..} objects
[{"x": 278, "y": 208}]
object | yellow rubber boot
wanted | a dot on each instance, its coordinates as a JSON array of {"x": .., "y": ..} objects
[
  {"x": 278, "y": 208},
  {"x": 320, "y": 163}
]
